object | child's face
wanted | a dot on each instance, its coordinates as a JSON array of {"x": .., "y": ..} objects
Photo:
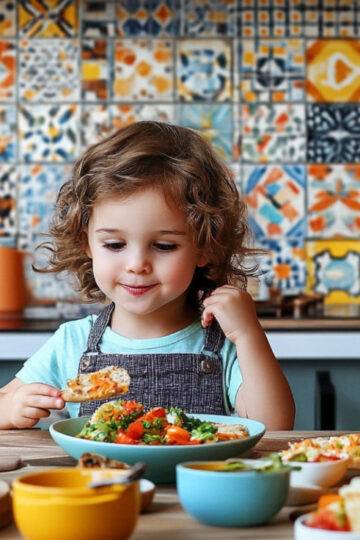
[{"x": 143, "y": 257}]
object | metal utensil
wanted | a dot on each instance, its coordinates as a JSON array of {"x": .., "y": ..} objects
[{"x": 132, "y": 474}]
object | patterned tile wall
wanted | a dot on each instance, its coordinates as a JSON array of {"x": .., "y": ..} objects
[{"x": 273, "y": 84}]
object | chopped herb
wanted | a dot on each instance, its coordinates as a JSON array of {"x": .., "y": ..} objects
[{"x": 149, "y": 439}]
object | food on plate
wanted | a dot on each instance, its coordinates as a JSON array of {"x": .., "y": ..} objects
[
  {"x": 127, "y": 422},
  {"x": 351, "y": 497},
  {"x": 325, "y": 449},
  {"x": 108, "y": 382},
  {"x": 330, "y": 515},
  {"x": 226, "y": 432},
  {"x": 91, "y": 460},
  {"x": 338, "y": 512}
]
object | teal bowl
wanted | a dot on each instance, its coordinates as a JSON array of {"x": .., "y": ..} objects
[
  {"x": 231, "y": 499},
  {"x": 160, "y": 460}
]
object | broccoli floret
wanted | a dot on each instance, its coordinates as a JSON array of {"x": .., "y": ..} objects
[
  {"x": 176, "y": 416},
  {"x": 98, "y": 432},
  {"x": 204, "y": 432}
]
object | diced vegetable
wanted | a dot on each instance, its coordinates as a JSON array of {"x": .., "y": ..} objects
[
  {"x": 332, "y": 517},
  {"x": 177, "y": 435},
  {"x": 123, "y": 438},
  {"x": 205, "y": 432},
  {"x": 135, "y": 430},
  {"x": 329, "y": 498}
]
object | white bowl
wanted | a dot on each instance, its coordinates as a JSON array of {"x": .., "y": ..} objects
[
  {"x": 303, "y": 532},
  {"x": 324, "y": 473}
]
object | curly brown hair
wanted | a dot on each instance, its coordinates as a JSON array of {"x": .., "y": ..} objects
[{"x": 182, "y": 164}]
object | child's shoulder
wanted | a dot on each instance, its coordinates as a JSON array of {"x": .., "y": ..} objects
[{"x": 77, "y": 327}]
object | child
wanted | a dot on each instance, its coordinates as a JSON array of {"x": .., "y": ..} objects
[{"x": 150, "y": 221}]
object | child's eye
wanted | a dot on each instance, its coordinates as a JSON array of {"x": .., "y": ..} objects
[
  {"x": 114, "y": 246},
  {"x": 165, "y": 247}
]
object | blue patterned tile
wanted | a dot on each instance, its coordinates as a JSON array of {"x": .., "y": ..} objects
[
  {"x": 273, "y": 133},
  {"x": 275, "y": 196},
  {"x": 213, "y": 121},
  {"x": 48, "y": 132},
  {"x": 271, "y": 70},
  {"x": 148, "y": 18},
  {"x": 48, "y": 70},
  {"x": 38, "y": 188},
  {"x": 285, "y": 265},
  {"x": 45, "y": 288},
  {"x": 209, "y": 18},
  {"x": 203, "y": 70},
  {"x": 333, "y": 133}
]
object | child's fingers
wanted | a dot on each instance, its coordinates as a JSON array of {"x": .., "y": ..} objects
[
  {"x": 44, "y": 402},
  {"x": 32, "y": 413},
  {"x": 206, "y": 317},
  {"x": 42, "y": 390},
  {"x": 25, "y": 423}
]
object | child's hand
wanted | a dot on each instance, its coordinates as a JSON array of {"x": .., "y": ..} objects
[
  {"x": 30, "y": 402},
  {"x": 233, "y": 309}
]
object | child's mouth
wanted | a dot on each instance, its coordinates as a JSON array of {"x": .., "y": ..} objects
[{"x": 137, "y": 291}]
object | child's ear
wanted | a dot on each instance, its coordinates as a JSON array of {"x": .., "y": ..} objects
[
  {"x": 202, "y": 261},
  {"x": 86, "y": 246}
]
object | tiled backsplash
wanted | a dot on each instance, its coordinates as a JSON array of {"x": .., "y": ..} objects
[{"x": 273, "y": 84}]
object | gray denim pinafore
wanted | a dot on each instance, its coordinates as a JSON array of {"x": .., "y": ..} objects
[{"x": 194, "y": 382}]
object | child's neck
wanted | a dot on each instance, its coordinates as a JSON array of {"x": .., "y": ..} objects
[{"x": 152, "y": 325}]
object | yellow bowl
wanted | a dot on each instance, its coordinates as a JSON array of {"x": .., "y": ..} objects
[{"x": 57, "y": 504}]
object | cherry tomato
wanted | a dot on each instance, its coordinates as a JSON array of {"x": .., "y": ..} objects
[
  {"x": 326, "y": 519},
  {"x": 156, "y": 412},
  {"x": 122, "y": 438},
  {"x": 135, "y": 430},
  {"x": 177, "y": 435},
  {"x": 130, "y": 407}
]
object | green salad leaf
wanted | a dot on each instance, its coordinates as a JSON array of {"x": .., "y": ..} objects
[{"x": 99, "y": 431}]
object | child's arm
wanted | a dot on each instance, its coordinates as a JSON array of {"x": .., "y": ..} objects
[
  {"x": 264, "y": 394},
  {"x": 22, "y": 405}
]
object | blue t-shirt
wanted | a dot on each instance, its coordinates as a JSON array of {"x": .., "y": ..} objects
[{"x": 58, "y": 359}]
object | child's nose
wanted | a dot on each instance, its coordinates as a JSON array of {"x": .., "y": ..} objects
[{"x": 138, "y": 263}]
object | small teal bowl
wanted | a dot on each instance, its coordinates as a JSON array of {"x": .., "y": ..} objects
[{"x": 231, "y": 499}]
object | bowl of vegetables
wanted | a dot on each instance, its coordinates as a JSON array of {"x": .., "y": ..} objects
[
  {"x": 160, "y": 437},
  {"x": 317, "y": 465},
  {"x": 337, "y": 516}
]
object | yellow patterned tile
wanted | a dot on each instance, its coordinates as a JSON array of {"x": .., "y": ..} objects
[
  {"x": 333, "y": 70},
  {"x": 334, "y": 270}
]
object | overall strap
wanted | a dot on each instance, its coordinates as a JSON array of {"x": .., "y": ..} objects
[
  {"x": 97, "y": 330},
  {"x": 214, "y": 339}
]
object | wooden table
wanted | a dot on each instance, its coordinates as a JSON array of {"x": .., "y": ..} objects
[{"x": 166, "y": 519}]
